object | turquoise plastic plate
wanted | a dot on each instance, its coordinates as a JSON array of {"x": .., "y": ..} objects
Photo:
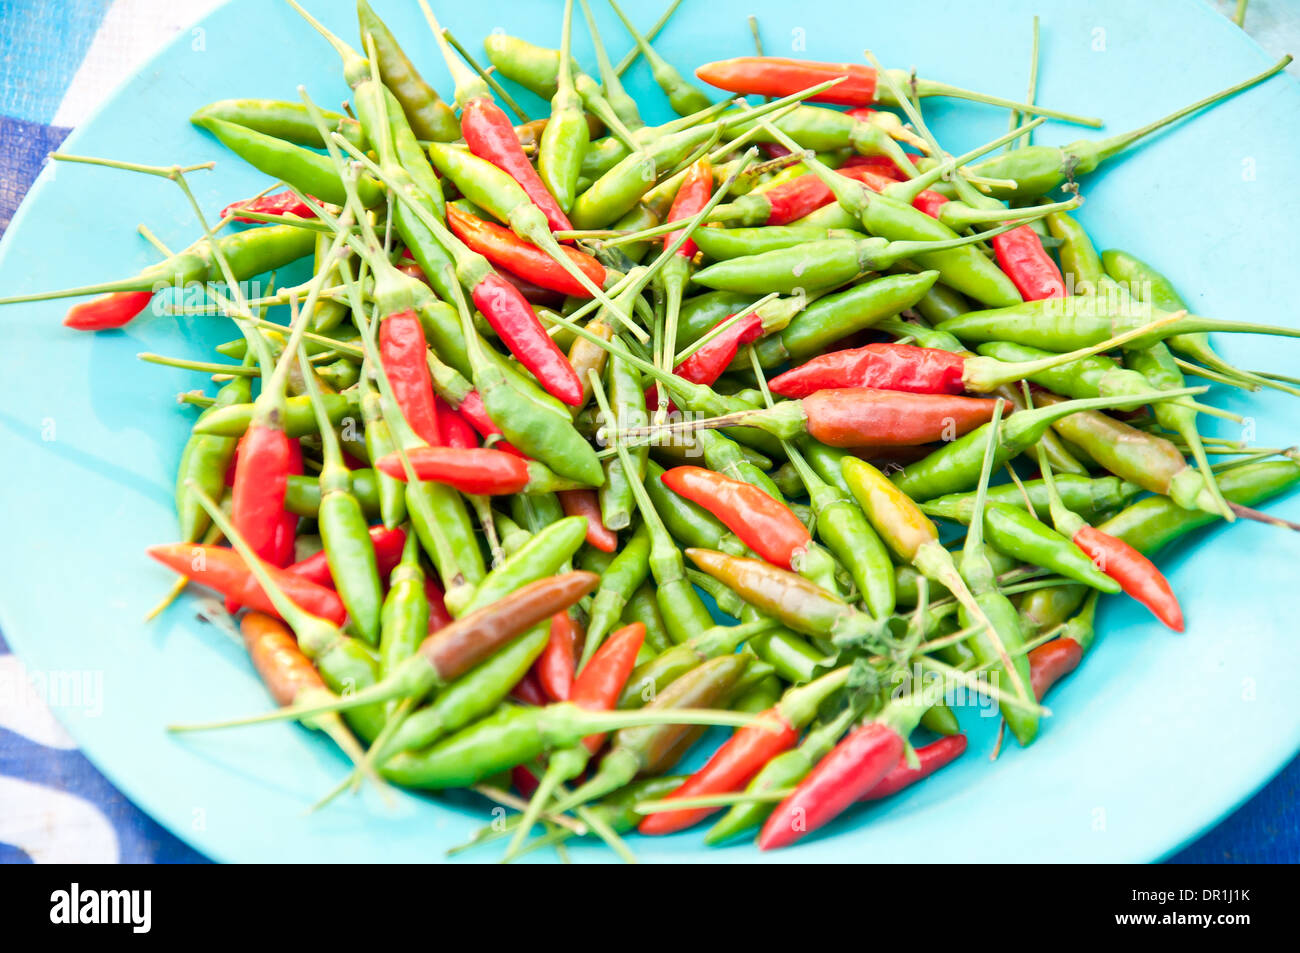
[{"x": 1154, "y": 740}]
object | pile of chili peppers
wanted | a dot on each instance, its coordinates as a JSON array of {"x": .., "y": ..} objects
[{"x": 558, "y": 386}]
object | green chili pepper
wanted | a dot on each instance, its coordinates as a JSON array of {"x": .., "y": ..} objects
[
  {"x": 303, "y": 494},
  {"x": 305, "y": 170},
  {"x": 512, "y": 736},
  {"x": 627, "y": 399},
  {"x": 1086, "y": 496},
  {"x": 682, "y": 96},
  {"x": 475, "y": 694},
  {"x": 955, "y": 466},
  {"x": 643, "y": 607},
  {"x": 566, "y": 136},
  {"x": 835, "y": 316},
  {"x": 280, "y": 119},
  {"x": 205, "y": 460},
  {"x": 344, "y": 531},
  {"x": 380, "y": 443},
  {"x": 405, "y": 617},
  {"x": 618, "y": 582}
]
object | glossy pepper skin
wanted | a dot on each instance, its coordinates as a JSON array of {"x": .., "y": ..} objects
[
  {"x": 764, "y": 524},
  {"x": 884, "y": 366},
  {"x": 507, "y": 250}
]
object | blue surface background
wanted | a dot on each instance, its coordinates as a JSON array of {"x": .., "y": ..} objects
[{"x": 39, "y": 59}]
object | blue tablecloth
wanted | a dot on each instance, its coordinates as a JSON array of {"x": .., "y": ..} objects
[{"x": 57, "y": 59}]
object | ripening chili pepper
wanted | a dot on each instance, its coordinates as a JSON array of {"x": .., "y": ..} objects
[
  {"x": 451, "y": 651},
  {"x": 778, "y": 76},
  {"x": 801, "y": 196},
  {"x": 490, "y": 135},
  {"x": 851, "y": 769},
  {"x": 387, "y": 545},
  {"x": 596, "y": 688},
  {"x": 796, "y": 602},
  {"x": 504, "y": 248},
  {"x": 864, "y": 416},
  {"x": 634, "y": 749},
  {"x": 954, "y": 467},
  {"x": 1146, "y": 459},
  {"x": 555, "y": 666},
  {"x": 931, "y": 757},
  {"x": 583, "y": 502},
  {"x": 514, "y": 735},
  {"x": 223, "y": 570},
  {"x": 429, "y": 116},
  {"x": 279, "y": 203},
  {"x": 289, "y": 675},
  {"x": 762, "y": 523},
  {"x": 747, "y": 751}
]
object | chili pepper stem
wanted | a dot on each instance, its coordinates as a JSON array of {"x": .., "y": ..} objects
[
  {"x": 486, "y": 75},
  {"x": 928, "y": 87},
  {"x": 1117, "y": 143}
]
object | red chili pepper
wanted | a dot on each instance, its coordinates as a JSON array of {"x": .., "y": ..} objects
[
  {"x": 490, "y": 135},
  {"x": 554, "y": 667},
  {"x": 774, "y": 150},
  {"x": 732, "y": 766},
  {"x": 765, "y": 525},
  {"x": 936, "y": 755},
  {"x": 900, "y": 367},
  {"x": 1134, "y": 572},
  {"x": 478, "y": 471},
  {"x": 439, "y": 617},
  {"x": 1051, "y": 662},
  {"x": 1021, "y": 255},
  {"x": 403, "y": 350},
  {"x": 525, "y": 781},
  {"x": 529, "y": 690},
  {"x": 708, "y": 363},
  {"x": 692, "y": 195},
  {"x": 599, "y": 685},
  {"x": 283, "y": 550},
  {"x": 503, "y": 247},
  {"x": 853, "y": 767},
  {"x": 223, "y": 570},
  {"x": 281, "y": 203},
  {"x": 880, "y": 165},
  {"x": 778, "y": 76},
  {"x": 266, "y": 460},
  {"x": 864, "y": 416},
  {"x": 388, "y": 545},
  {"x": 587, "y": 503},
  {"x": 472, "y": 409},
  {"x": 110, "y": 311},
  {"x": 457, "y": 432},
  {"x": 517, "y": 324}
]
